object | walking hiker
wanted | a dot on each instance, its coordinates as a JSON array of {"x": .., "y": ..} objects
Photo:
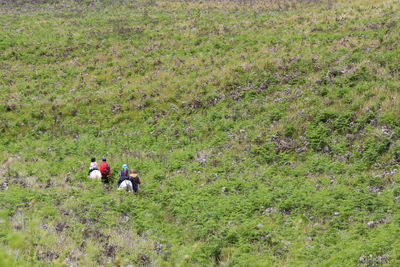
[
  {"x": 124, "y": 174},
  {"x": 93, "y": 166},
  {"x": 105, "y": 170},
  {"x": 135, "y": 179},
  {"x": 124, "y": 179}
]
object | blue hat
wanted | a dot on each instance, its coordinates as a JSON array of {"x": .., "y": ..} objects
[
  {"x": 124, "y": 166},
  {"x": 104, "y": 159}
]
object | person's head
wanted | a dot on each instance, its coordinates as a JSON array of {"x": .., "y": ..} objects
[
  {"x": 124, "y": 166},
  {"x": 133, "y": 171},
  {"x": 93, "y": 159},
  {"x": 104, "y": 159}
]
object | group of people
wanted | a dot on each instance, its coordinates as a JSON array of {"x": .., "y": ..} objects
[
  {"x": 128, "y": 179},
  {"x": 104, "y": 169}
]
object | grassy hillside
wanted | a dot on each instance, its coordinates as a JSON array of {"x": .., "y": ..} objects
[{"x": 265, "y": 133}]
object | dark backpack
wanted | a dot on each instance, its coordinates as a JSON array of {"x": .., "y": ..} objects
[
  {"x": 125, "y": 174},
  {"x": 106, "y": 170}
]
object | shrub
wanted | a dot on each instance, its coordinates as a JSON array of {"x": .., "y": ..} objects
[
  {"x": 275, "y": 114},
  {"x": 264, "y": 153},
  {"x": 290, "y": 130},
  {"x": 341, "y": 122},
  {"x": 396, "y": 150},
  {"x": 317, "y": 135},
  {"x": 373, "y": 148}
]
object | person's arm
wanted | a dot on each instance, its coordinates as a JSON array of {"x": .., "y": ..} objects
[
  {"x": 109, "y": 170},
  {"x": 119, "y": 181},
  {"x": 101, "y": 168}
]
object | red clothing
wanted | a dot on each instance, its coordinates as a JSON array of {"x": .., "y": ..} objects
[{"x": 103, "y": 166}]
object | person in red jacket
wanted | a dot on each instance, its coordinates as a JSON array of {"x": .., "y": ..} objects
[{"x": 105, "y": 170}]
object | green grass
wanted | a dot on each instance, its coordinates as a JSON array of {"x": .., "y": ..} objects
[{"x": 265, "y": 134}]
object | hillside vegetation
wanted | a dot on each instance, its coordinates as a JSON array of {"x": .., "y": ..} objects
[{"x": 265, "y": 133}]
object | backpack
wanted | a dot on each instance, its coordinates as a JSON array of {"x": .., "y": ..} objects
[
  {"x": 106, "y": 170},
  {"x": 125, "y": 173},
  {"x": 136, "y": 176}
]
